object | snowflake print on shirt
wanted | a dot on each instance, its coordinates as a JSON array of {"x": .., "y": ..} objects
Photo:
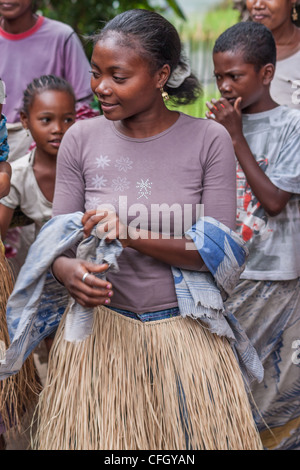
[
  {"x": 124, "y": 164},
  {"x": 102, "y": 161},
  {"x": 93, "y": 203},
  {"x": 120, "y": 184},
  {"x": 144, "y": 188},
  {"x": 99, "y": 182}
]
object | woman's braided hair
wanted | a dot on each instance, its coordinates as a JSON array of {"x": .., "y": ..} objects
[{"x": 157, "y": 40}]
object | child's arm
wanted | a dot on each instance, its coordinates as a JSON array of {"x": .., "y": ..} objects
[
  {"x": 5, "y": 175},
  {"x": 5, "y": 172},
  {"x": 6, "y": 215},
  {"x": 271, "y": 198}
]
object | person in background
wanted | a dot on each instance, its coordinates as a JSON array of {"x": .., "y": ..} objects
[
  {"x": 37, "y": 46},
  {"x": 48, "y": 110},
  {"x": 5, "y": 168},
  {"x": 266, "y": 139},
  {"x": 18, "y": 393},
  {"x": 282, "y": 17}
]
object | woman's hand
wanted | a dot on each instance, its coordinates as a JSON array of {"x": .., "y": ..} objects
[
  {"x": 108, "y": 224},
  {"x": 78, "y": 277}
]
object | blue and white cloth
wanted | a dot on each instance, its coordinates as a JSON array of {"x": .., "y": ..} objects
[
  {"x": 32, "y": 313},
  {"x": 4, "y": 148},
  {"x": 201, "y": 295},
  {"x": 38, "y": 301}
]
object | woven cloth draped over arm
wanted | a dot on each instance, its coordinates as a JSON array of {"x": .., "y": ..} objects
[{"x": 38, "y": 301}]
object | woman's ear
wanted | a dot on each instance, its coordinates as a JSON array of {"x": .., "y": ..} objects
[
  {"x": 268, "y": 72},
  {"x": 163, "y": 75}
]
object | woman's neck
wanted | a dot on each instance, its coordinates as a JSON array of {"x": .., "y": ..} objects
[
  {"x": 141, "y": 127},
  {"x": 19, "y": 25},
  {"x": 287, "y": 38},
  {"x": 284, "y": 32}
]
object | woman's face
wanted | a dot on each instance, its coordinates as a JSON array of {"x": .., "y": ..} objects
[
  {"x": 122, "y": 81},
  {"x": 271, "y": 13}
]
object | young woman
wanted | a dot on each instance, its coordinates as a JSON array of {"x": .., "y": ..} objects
[{"x": 147, "y": 377}]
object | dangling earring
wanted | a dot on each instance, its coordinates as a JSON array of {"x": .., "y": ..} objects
[
  {"x": 294, "y": 13},
  {"x": 27, "y": 132},
  {"x": 164, "y": 94}
]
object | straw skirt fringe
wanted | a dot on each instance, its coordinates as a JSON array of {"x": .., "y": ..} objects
[
  {"x": 163, "y": 385},
  {"x": 18, "y": 393}
]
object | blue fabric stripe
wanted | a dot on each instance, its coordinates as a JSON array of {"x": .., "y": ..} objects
[
  {"x": 4, "y": 148},
  {"x": 149, "y": 316}
]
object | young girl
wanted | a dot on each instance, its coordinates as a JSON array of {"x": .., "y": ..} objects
[
  {"x": 149, "y": 376},
  {"x": 48, "y": 111}
]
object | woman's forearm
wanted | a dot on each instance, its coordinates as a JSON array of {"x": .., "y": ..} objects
[
  {"x": 181, "y": 253},
  {"x": 178, "y": 252}
]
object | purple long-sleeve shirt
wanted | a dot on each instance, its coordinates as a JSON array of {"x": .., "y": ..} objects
[{"x": 146, "y": 181}]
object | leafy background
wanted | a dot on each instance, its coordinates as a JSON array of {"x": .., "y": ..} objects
[{"x": 199, "y": 23}]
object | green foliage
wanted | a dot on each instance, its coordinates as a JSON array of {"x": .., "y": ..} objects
[
  {"x": 198, "y": 108},
  {"x": 86, "y": 16},
  {"x": 199, "y": 34},
  {"x": 217, "y": 20}
]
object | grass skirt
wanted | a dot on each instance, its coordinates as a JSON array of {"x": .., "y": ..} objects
[
  {"x": 162, "y": 385},
  {"x": 19, "y": 392}
]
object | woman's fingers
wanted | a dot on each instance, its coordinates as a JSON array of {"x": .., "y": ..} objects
[{"x": 80, "y": 279}]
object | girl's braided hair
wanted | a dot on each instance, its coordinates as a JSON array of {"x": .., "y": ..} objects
[{"x": 41, "y": 84}]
